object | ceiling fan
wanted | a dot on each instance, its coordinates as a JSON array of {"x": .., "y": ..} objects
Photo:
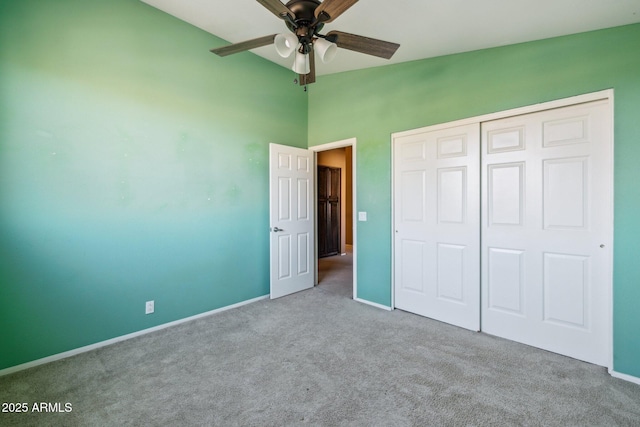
[{"x": 305, "y": 19}]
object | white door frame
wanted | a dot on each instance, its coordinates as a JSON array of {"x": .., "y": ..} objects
[
  {"x": 565, "y": 102},
  {"x": 350, "y": 142}
]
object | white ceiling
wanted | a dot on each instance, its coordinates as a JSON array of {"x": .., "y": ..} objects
[{"x": 423, "y": 28}]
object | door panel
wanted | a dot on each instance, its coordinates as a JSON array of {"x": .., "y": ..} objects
[
  {"x": 547, "y": 209},
  {"x": 328, "y": 211},
  {"x": 505, "y": 192},
  {"x": 505, "y": 287},
  {"x": 291, "y": 218},
  {"x": 566, "y": 193},
  {"x": 565, "y": 289},
  {"x": 452, "y": 195},
  {"x": 450, "y": 268},
  {"x": 436, "y": 222}
]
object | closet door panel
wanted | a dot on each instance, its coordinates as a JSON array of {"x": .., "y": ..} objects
[
  {"x": 436, "y": 225},
  {"x": 546, "y": 209}
]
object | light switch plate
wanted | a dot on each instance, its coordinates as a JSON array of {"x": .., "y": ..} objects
[{"x": 362, "y": 216}]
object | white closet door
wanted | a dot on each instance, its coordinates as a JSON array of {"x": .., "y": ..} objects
[
  {"x": 546, "y": 227},
  {"x": 436, "y": 222}
]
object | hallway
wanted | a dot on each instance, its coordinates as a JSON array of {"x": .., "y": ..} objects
[{"x": 335, "y": 274}]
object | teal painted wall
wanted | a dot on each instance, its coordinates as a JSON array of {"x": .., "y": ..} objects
[
  {"x": 133, "y": 167},
  {"x": 371, "y": 104}
]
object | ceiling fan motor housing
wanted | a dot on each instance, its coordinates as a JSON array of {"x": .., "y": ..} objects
[{"x": 304, "y": 11}]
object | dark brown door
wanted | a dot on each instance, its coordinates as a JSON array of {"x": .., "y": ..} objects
[{"x": 328, "y": 211}]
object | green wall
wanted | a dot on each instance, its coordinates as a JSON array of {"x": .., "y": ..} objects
[
  {"x": 371, "y": 104},
  {"x": 133, "y": 167}
]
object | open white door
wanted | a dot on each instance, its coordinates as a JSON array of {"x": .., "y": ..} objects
[{"x": 291, "y": 214}]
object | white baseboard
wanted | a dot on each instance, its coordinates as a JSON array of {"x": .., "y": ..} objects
[
  {"x": 84, "y": 349},
  {"x": 625, "y": 377},
  {"x": 373, "y": 304}
]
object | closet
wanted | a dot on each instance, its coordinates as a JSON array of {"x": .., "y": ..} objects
[{"x": 504, "y": 225}]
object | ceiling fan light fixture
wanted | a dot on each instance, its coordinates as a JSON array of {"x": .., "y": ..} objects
[
  {"x": 325, "y": 49},
  {"x": 285, "y": 44},
  {"x": 301, "y": 63}
]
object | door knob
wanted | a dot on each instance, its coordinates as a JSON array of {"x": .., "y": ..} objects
[{"x": 276, "y": 229}]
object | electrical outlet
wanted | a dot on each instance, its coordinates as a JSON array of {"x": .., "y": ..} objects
[{"x": 149, "y": 307}]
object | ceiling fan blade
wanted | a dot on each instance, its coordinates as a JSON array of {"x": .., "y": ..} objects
[
  {"x": 306, "y": 79},
  {"x": 331, "y": 9},
  {"x": 242, "y": 46},
  {"x": 277, "y": 8},
  {"x": 363, "y": 44}
]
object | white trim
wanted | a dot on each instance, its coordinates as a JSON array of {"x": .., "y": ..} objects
[
  {"x": 564, "y": 102},
  {"x": 393, "y": 221},
  {"x": 625, "y": 377},
  {"x": 606, "y": 94},
  {"x": 610, "y": 243},
  {"x": 336, "y": 144},
  {"x": 373, "y": 304},
  {"x": 350, "y": 142},
  {"x": 115, "y": 340}
]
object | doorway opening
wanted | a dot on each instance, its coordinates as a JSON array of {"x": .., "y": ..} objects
[
  {"x": 331, "y": 206},
  {"x": 335, "y": 224}
]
